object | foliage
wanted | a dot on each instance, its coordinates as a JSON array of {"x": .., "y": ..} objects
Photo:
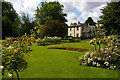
[
  {"x": 75, "y": 23},
  {"x": 48, "y": 40},
  {"x": 53, "y": 28},
  {"x": 50, "y": 10},
  {"x": 26, "y": 25},
  {"x": 107, "y": 56},
  {"x": 90, "y": 21},
  {"x": 45, "y": 62},
  {"x": 15, "y": 52},
  {"x": 51, "y": 20},
  {"x": 110, "y": 18},
  {"x": 10, "y": 20}
]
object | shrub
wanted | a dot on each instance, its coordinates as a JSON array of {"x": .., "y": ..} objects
[
  {"x": 15, "y": 53},
  {"x": 107, "y": 56},
  {"x": 41, "y": 42},
  {"x": 48, "y": 40}
]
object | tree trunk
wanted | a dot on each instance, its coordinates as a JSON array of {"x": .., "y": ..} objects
[
  {"x": 99, "y": 47},
  {"x": 95, "y": 47},
  {"x": 17, "y": 74}
]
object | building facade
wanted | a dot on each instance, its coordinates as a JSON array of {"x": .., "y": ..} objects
[{"x": 81, "y": 30}]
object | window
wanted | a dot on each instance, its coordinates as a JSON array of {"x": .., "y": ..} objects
[
  {"x": 77, "y": 35},
  {"x": 83, "y": 28},
  {"x": 90, "y": 30},
  {"x": 70, "y": 29},
  {"x": 77, "y": 28}
]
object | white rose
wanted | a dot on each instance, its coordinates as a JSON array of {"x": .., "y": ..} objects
[
  {"x": 94, "y": 63},
  {"x": 10, "y": 75},
  {"x": 98, "y": 64},
  {"x": 1, "y": 67}
]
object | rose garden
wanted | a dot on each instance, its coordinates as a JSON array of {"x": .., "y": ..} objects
[{"x": 48, "y": 53}]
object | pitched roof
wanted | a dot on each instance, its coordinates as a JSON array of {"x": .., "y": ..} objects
[
  {"x": 98, "y": 28},
  {"x": 79, "y": 25}
]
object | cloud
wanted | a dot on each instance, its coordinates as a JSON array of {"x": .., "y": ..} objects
[
  {"x": 72, "y": 18},
  {"x": 80, "y": 0},
  {"x": 84, "y": 6},
  {"x": 77, "y": 10},
  {"x": 25, "y": 6},
  {"x": 87, "y": 8},
  {"x": 68, "y": 6},
  {"x": 94, "y": 13}
]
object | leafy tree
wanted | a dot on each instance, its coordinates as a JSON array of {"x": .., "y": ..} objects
[
  {"x": 111, "y": 18},
  {"x": 71, "y": 23},
  {"x": 90, "y": 21},
  {"x": 53, "y": 28},
  {"x": 10, "y": 20},
  {"x": 26, "y": 24},
  {"x": 50, "y": 10},
  {"x": 75, "y": 23}
]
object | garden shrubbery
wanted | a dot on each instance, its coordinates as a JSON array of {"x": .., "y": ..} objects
[
  {"x": 15, "y": 52},
  {"x": 48, "y": 40},
  {"x": 106, "y": 53}
]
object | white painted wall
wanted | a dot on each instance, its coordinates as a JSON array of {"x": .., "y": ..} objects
[
  {"x": 80, "y": 31},
  {"x": 74, "y": 30},
  {"x": 71, "y": 32}
]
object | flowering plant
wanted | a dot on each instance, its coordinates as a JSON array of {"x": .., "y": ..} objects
[
  {"x": 14, "y": 55},
  {"x": 48, "y": 40},
  {"x": 107, "y": 56}
]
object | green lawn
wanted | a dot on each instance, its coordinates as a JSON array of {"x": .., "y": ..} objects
[{"x": 55, "y": 63}]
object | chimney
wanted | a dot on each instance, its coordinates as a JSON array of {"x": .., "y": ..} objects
[
  {"x": 78, "y": 22},
  {"x": 88, "y": 24}
]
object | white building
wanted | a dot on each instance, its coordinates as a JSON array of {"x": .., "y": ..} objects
[{"x": 81, "y": 30}]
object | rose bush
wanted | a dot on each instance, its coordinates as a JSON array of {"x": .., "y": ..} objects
[
  {"x": 15, "y": 52},
  {"x": 106, "y": 53}
]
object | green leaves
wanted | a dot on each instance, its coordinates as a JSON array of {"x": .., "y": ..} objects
[
  {"x": 10, "y": 20},
  {"x": 110, "y": 18},
  {"x": 106, "y": 56},
  {"x": 90, "y": 21},
  {"x": 15, "y": 53},
  {"x": 50, "y": 10}
]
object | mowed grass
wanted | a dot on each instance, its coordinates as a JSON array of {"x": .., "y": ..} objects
[{"x": 55, "y": 63}]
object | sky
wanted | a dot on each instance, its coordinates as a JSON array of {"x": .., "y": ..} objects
[{"x": 77, "y": 10}]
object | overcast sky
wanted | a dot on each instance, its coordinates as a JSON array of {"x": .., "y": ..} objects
[{"x": 77, "y": 10}]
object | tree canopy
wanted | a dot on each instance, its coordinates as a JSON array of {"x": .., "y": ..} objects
[
  {"x": 50, "y": 10},
  {"x": 10, "y": 20},
  {"x": 50, "y": 29},
  {"x": 111, "y": 18},
  {"x": 50, "y": 15},
  {"x": 90, "y": 21}
]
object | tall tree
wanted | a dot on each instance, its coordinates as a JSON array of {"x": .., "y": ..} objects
[
  {"x": 111, "y": 18},
  {"x": 10, "y": 20},
  {"x": 51, "y": 14},
  {"x": 50, "y": 10},
  {"x": 90, "y": 21}
]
